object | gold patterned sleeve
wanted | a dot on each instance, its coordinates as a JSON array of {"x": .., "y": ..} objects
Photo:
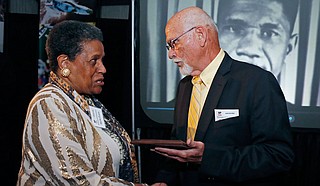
[{"x": 62, "y": 147}]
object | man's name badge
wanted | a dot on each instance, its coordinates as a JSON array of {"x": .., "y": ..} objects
[
  {"x": 97, "y": 117},
  {"x": 221, "y": 114}
]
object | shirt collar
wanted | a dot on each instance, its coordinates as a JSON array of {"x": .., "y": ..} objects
[{"x": 206, "y": 74}]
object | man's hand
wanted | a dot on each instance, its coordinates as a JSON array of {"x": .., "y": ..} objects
[
  {"x": 194, "y": 154},
  {"x": 159, "y": 184}
]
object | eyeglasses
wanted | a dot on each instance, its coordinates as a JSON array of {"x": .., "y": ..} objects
[{"x": 172, "y": 43}]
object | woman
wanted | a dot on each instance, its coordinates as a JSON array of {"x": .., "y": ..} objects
[{"x": 70, "y": 138}]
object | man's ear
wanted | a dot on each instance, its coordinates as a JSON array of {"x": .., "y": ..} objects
[
  {"x": 201, "y": 35},
  {"x": 63, "y": 61},
  {"x": 293, "y": 40}
]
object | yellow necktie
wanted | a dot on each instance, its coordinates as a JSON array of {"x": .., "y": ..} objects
[{"x": 195, "y": 107}]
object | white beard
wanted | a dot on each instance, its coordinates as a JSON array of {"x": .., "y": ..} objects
[{"x": 185, "y": 69}]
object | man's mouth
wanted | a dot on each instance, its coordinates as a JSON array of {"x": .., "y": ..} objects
[{"x": 178, "y": 63}]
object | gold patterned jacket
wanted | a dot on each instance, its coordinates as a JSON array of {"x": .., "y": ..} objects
[{"x": 61, "y": 146}]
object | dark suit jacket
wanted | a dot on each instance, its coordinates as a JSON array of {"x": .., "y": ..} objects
[{"x": 252, "y": 148}]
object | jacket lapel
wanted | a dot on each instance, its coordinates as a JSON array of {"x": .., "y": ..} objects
[
  {"x": 213, "y": 97},
  {"x": 182, "y": 107}
]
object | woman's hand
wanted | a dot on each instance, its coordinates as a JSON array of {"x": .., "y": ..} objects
[{"x": 155, "y": 184}]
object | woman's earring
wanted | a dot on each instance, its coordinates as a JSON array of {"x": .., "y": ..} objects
[{"x": 65, "y": 72}]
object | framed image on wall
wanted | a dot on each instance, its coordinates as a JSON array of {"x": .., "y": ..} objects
[{"x": 290, "y": 52}]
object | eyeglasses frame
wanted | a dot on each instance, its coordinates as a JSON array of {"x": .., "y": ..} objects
[{"x": 171, "y": 43}]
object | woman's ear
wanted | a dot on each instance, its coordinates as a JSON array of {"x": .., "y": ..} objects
[{"x": 63, "y": 61}]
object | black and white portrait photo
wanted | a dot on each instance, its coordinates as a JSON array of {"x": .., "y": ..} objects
[{"x": 279, "y": 36}]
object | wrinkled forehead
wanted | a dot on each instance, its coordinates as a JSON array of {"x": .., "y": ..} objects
[
  {"x": 174, "y": 26},
  {"x": 170, "y": 31}
]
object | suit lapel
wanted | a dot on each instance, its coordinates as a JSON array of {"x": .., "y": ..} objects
[
  {"x": 183, "y": 107},
  {"x": 213, "y": 97}
]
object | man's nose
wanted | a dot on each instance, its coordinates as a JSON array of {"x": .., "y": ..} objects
[
  {"x": 171, "y": 53},
  {"x": 250, "y": 45}
]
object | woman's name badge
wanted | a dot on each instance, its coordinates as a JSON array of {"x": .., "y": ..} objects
[{"x": 97, "y": 117}]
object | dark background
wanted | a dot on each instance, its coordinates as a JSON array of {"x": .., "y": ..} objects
[{"x": 18, "y": 73}]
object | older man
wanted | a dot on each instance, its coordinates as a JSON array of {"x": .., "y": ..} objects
[{"x": 234, "y": 119}]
